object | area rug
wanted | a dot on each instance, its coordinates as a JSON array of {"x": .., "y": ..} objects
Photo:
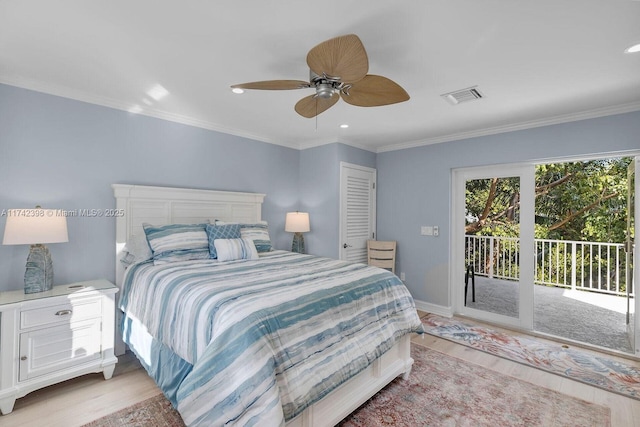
[
  {"x": 441, "y": 391},
  {"x": 595, "y": 370},
  {"x": 446, "y": 391},
  {"x": 153, "y": 412}
]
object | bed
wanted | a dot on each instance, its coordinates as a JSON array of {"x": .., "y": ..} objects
[{"x": 276, "y": 339}]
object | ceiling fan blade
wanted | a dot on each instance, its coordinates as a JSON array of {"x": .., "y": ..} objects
[
  {"x": 313, "y": 105},
  {"x": 342, "y": 57},
  {"x": 374, "y": 91},
  {"x": 274, "y": 85}
]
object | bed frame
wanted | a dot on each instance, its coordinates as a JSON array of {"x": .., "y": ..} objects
[{"x": 165, "y": 205}]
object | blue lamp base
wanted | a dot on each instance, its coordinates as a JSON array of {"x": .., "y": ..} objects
[
  {"x": 298, "y": 243},
  {"x": 38, "y": 276}
]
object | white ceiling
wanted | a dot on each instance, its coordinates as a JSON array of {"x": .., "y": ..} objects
[{"x": 536, "y": 62}]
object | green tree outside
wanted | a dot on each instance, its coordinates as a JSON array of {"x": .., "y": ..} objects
[
  {"x": 584, "y": 201},
  {"x": 576, "y": 201}
]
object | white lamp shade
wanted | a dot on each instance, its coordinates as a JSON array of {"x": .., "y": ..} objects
[
  {"x": 34, "y": 226},
  {"x": 297, "y": 222}
]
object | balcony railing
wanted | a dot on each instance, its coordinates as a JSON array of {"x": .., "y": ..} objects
[{"x": 588, "y": 266}]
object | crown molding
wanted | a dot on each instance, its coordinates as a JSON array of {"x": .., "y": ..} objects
[
  {"x": 565, "y": 118},
  {"x": 319, "y": 143},
  {"x": 65, "y": 92},
  {"x": 68, "y": 93}
]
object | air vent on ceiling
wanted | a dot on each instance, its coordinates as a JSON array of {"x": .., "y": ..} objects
[{"x": 463, "y": 95}]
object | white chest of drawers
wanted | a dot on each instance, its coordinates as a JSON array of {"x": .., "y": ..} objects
[{"x": 55, "y": 335}]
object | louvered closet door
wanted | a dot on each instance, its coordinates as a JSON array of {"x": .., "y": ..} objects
[{"x": 357, "y": 211}]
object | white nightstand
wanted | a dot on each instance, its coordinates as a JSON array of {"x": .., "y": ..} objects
[{"x": 53, "y": 336}]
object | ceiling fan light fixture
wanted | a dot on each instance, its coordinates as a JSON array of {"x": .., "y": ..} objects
[
  {"x": 324, "y": 90},
  {"x": 237, "y": 90}
]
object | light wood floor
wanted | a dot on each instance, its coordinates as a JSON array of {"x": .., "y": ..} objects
[{"x": 84, "y": 399}]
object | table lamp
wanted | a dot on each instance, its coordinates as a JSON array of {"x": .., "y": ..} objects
[
  {"x": 36, "y": 227},
  {"x": 297, "y": 223}
]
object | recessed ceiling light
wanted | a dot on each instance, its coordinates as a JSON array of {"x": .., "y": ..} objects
[
  {"x": 344, "y": 126},
  {"x": 237, "y": 90},
  {"x": 633, "y": 49},
  {"x": 157, "y": 92}
]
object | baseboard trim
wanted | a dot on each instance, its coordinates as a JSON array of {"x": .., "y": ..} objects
[{"x": 440, "y": 310}]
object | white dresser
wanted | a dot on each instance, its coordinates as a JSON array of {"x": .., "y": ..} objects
[{"x": 53, "y": 336}]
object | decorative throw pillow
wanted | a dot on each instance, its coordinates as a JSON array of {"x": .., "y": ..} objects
[
  {"x": 226, "y": 231},
  {"x": 177, "y": 242},
  {"x": 234, "y": 249},
  {"x": 259, "y": 233}
]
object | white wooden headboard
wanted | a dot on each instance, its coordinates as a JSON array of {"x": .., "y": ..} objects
[{"x": 138, "y": 204}]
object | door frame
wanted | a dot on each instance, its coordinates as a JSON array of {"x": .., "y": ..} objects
[
  {"x": 373, "y": 207},
  {"x": 636, "y": 259},
  {"x": 526, "y": 173}
]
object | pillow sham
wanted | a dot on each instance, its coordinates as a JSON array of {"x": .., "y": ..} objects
[
  {"x": 235, "y": 249},
  {"x": 222, "y": 231},
  {"x": 177, "y": 242},
  {"x": 259, "y": 233},
  {"x": 136, "y": 250}
]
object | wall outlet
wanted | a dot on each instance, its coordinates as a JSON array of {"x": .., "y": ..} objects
[
  {"x": 436, "y": 230},
  {"x": 402, "y": 276}
]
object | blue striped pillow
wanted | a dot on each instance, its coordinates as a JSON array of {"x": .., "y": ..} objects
[
  {"x": 177, "y": 242},
  {"x": 226, "y": 231}
]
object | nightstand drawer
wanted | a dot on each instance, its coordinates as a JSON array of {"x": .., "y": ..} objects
[{"x": 62, "y": 313}]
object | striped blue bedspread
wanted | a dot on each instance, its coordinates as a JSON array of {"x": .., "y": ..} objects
[{"x": 269, "y": 337}]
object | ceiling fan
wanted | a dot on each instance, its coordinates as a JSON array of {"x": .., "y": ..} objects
[{"x": 337, "y": 66}]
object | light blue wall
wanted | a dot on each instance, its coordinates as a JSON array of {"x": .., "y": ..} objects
[
  {"x": 320, "y": 192},
  {"x": 414, "y": 186},
  {"x": 65, "y": 154}
]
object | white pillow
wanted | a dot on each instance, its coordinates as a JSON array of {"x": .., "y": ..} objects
[{"x": 233, "y": 249}]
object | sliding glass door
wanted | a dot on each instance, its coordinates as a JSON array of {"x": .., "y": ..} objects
[
  {"x": 584, "y": 252},
  {"x": 493, "y": 244},
  {"x": 581, "y": 264}
]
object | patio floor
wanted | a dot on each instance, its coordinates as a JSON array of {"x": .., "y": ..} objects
[{"x": 587, "y": 317}]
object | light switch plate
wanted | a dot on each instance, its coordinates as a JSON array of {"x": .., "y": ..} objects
[{"x": 426, "y": 230}]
